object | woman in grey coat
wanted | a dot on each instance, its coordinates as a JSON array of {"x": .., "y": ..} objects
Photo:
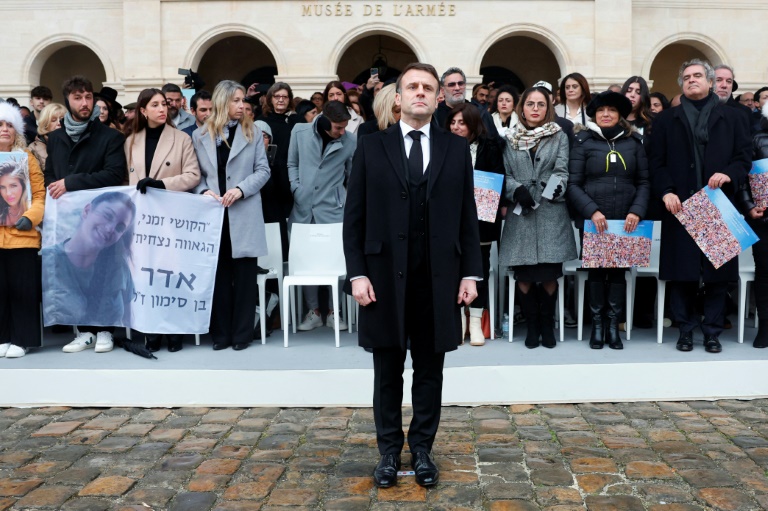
[
  {"x": 537, "y": 235},
  {"x": 234, "y": 168}
]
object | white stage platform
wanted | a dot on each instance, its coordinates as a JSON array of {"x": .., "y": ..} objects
[{"x": 313, "y": 373}]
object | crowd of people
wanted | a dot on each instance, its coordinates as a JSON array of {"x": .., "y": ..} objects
[{"x": 625, "y": 153}]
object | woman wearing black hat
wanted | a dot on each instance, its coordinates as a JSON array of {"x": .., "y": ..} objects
[{"x": 608, "y": 180}]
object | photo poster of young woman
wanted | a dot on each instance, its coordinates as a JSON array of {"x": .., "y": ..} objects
[{"x": 15, "y": 190}]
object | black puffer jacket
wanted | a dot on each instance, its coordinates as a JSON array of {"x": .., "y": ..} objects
[
  {"x": 614, "y": 190},
  {"x": 760, "y": 141}
]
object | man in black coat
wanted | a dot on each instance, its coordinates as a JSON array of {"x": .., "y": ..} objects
[
  {"x": 82, "y": 155},
  {"x": 725, "y": 86},
  {"x": 454, "y": 84},
  {"x": 413, "y": 255},
  {"x": 701, "y": 143}
]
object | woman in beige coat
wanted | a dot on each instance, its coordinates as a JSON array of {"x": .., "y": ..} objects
[{"x": 159, "y": 156}]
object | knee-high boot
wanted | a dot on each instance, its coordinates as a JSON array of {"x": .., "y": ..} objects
[
  {"x": 761, "y": 302},
  {"x": 597, "y": 308},
  {"x": 529, "y": 306},
  {"x": 617, "y": 295},
  {"x": 547, "y": 317}
]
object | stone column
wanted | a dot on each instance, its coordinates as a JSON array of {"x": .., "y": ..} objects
[
  {"x": 142, "y": 48},
  {"x": 613, "y": 43}
]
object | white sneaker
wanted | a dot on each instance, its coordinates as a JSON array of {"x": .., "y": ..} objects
[
  {"x": 4, "y": 348},
  {"x": 311, "y": 321},
  {"x": 15, "y": 352},
  {"x": 82, "y": 342},
  {"x": 104, "y": 342},
  {"x": 329, "y": 321}
]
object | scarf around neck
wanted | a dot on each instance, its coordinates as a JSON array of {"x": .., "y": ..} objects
[
  {"x": 228, "y": 126},
  {"x": 523, "y": 139},
  {"x": 75, "y": 129}
]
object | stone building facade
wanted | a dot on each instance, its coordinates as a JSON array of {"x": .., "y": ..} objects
[{"x": 133, "y": 44}]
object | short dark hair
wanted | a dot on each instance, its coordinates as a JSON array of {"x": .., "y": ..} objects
[
  {"x": 171, "y": 87},
  {"x": 478, "y": 87},
  {"x": 421, "y": 66},
  {"x": 77, "y": 83},
  {"x": 663, "y": 99},
  {"x": 509, "y": 90},
  {"x": 303, "y": 108},
  {"x": 760, "y": 91},
  {"x": 336, "y": 111},
  {"x": 472, "y": 120},
  {"x": 41, "y": 91},
  {"x": 202, "y": 95}
]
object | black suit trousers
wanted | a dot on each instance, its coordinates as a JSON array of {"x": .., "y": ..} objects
[{"x": 427, "y": 388}]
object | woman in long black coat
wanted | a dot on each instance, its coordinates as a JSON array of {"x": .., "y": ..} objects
[
  {"x": 487, "y": 155},
  {"x": 608, "y": 180}
]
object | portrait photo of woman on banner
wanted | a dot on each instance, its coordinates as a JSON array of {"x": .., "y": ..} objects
[
  {"x": 87, "y": 277},
  {"x": 15, "y": 192}
]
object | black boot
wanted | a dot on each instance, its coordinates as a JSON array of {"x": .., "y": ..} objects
[
  {"x": 152, "y": 341},
  {"x": 175, "y": 342},
  {"x": 597, "y": 308},
  {"x": 547, "y": 317},
  {"x": 761, "y": 302},
  {"x": 617, "y": 296},
  {"x": 529, "y": 306}
]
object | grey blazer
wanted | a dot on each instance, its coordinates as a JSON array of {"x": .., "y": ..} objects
[
  {"x": 248, "y": 169},
  {"x": 544, "y": 235},
  {"x": 317, "y": 180}
]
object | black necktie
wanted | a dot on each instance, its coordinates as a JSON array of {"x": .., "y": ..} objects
[{"x": 416, "y": 158}]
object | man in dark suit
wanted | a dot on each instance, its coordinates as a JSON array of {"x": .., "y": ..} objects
[
  {"x": 413, "y": 253},
  {"x": 701, "y": 143}
]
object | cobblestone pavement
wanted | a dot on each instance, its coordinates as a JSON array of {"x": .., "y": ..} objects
[{"x": 624, "y": 457}]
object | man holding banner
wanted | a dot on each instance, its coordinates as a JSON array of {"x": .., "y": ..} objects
[{"x": 84, "y": 155}]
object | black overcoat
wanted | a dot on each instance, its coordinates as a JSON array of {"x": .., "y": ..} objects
[
  {"x": 376, "y": 222},
  {"x": 672, "y": 170}
]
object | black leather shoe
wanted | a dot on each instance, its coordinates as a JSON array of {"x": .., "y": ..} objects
[
  {"x": 240, "y": 347},
  {"x": 220, "y": 346},
  {"x": 175, "y": 342},
  {"x": 712, "y": 344},
  {"x": 426, "y": 471},
  {"x": 685, "y": 341},
  {"x": 385, "y": 473},
  {"x": 616, "y": 345}
]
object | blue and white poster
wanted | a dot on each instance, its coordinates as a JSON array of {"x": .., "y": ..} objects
[
  {"x": 716, "y": 226},
  {"x": 116, "y": 257},
  {"x": 758, "y": 182},
  {"x": 487, "y": 194},
  {"x": 615, "y": 247}
]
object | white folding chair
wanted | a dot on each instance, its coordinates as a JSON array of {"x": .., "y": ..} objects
[
  {"x": 273, "y": 262},
  {"x": 661, "y": 288},
  {"x": 746, "y": 275},
  {"x": 315, "y": 258},
  {"x": 580, "y": 278},
  {"x": 560, "y": 303},
  {"x": 493, "y": 276}
]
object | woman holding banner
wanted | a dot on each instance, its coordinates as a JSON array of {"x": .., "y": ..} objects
[
  {"x": 19, "y": 241},
  {"x": 487, "y": 155},
  {"x": 608, "y": 181},
  {"x": 234, "y": 168},
  {"x": 159, "y": 156}
]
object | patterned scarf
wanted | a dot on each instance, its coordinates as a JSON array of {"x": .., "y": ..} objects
[
  {"x": 523, "y": 139},
  {"x": 228, "y": 126}
]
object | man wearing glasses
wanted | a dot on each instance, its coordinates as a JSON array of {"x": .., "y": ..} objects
[{"x": 454, "y": 85}]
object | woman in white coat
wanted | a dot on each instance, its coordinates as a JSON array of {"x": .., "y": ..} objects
[{"x": 234, "y": 168}]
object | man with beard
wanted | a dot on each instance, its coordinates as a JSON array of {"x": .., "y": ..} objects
[
  {"x": 180, "y": 117},
  {"x": 201, "y": 106},
  {"x": 454, "y": 85},
  {"x": 725, "y": 86},
  {"x": 84, "y": 154}
]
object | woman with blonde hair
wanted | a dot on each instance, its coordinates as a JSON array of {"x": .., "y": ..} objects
[
  {"x": 19, "y": 243},
  {"x": 50, "y": 120},
  {"x": 385, "y": 110},
  {"x": 234, "y": 168}
]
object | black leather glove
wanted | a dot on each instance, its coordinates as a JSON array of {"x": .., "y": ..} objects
[
  {"x": 557, "y": 192},
  {"x": 148, "y": 182},
  {"x": 23, "y": 224},
  {"x": 523, "y": 197}
]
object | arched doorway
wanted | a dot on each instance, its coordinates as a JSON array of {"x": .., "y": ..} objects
[
  {"x": 666, "y": 66},
  {"x": 65, "y": 62},
  {"x": 519, "y": 61},
  {"x": 240, "y": 58},
  {"x": 386, "y": 53}
]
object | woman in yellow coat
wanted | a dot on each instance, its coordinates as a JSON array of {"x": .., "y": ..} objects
[{"x": 22, "y": 203}]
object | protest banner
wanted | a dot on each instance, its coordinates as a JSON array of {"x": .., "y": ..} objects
[
  {"x": 616, "y": 248},
  {"x": 116, "y": 257},
  {"x": 15, "y": 190},
  {"x": 758, "y": 182},
  {"x": 716, "y": 226},
  {"x": 487, "y": 194}
]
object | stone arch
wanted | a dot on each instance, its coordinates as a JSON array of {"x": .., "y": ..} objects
[
  {"x": 210, "y": 37},
  {"x": 373, "y": 29},
  {"x": 537, "y": 32},
  {"x": 662, "y": 63},
  {"x": 41, "y": 52},
  {"x": 705, "y": 44}
]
